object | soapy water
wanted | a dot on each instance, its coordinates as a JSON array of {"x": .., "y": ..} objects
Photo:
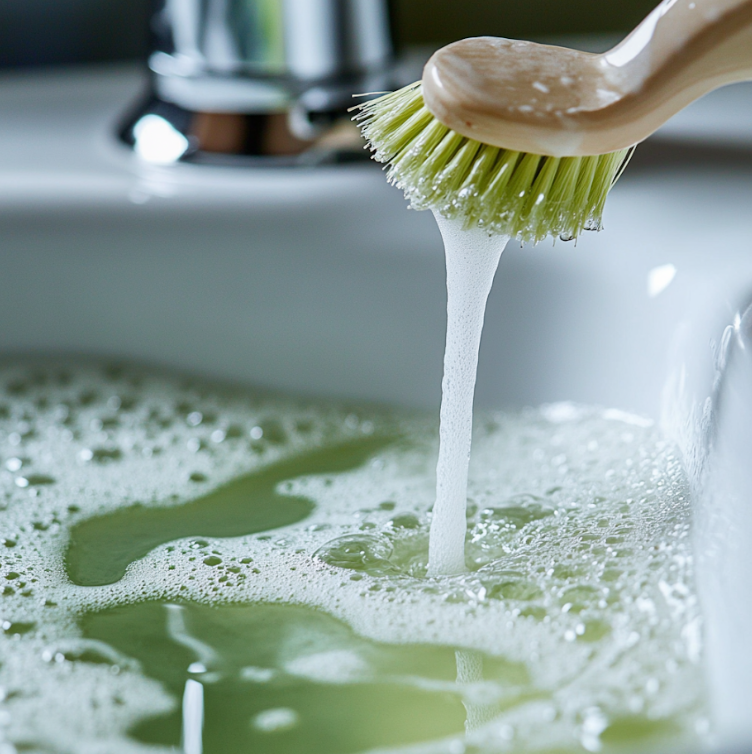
[
  {"x": 472, "y": 257},
  {"x": 574, "y": 628}
]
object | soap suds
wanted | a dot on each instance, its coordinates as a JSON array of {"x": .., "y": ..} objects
[
  {"x": 472, "y": 257},
  {"x": 580, "y": 568}
]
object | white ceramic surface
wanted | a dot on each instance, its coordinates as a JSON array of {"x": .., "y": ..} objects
[{"x": 319, "y": 280}]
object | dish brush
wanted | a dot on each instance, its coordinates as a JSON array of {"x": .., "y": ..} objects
[{"x": 526, "y": 140}]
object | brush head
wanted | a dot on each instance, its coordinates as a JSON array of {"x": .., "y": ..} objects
[{"x": 518, "y": 194}]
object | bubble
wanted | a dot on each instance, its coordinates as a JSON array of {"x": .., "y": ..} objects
[
  {"x": 358, "y": 552},
  {"x": 406, "y": 521},
  {"x": 580, "y": 597},
  {"x": 510, "y": 585},
  {"x": 517, "y": 515}
]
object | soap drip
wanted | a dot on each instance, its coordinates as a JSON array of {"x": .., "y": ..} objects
[{"x": 472, "y": 257}]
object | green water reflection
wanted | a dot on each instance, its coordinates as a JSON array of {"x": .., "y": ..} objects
[{"x": 279, "y": 678}]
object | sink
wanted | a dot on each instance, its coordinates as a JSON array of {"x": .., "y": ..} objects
[{"x": 318, "y": 280}]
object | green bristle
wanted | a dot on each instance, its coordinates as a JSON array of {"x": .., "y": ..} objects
[
  {"x": 409, "y": 154},
  {"x": 437, "y": 160},
  {"x": 524, "y": 195},
  {"x": 403, "y": 133},
  {"x": 451, "y": 178},
  {"x": 410, "y": 160},
  {"x": 475, "y": 182},
  {"x": 534, "y": 213},
  {"x": 581, "y": 207},
  {"x": 393, "y": 117},
  {"x": 494, "y": 193},
  {"x": 518, "y": 190},
  {"x": 481, "y": 171},
  {"x": 557, "y": 205},
  {"x": 605, "y": 174},
  {"x": 506, "y": 162}
]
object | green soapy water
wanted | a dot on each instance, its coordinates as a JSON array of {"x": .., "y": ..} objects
[
  {"x": 101, "y": 548},
  {"x": 216, "y": 570},
  {"x": 347, "y": 693}
]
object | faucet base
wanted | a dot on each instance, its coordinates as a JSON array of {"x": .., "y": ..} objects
[{"x": 163, "y": 132}]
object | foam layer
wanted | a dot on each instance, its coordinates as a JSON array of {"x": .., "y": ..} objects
[{"x": 577, "y": 536}]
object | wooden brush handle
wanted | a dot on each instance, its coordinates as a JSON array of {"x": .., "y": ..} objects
[
  {"x": 688, "y": 43},
  {"x": 556, "y": 101}
]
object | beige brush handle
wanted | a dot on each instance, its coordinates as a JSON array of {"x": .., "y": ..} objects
[
  {"x": 555, "y": 101},
  {"x": 710, "y": 38}
]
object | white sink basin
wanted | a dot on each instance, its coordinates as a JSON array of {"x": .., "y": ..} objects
[{"x": 319, "y": 280}]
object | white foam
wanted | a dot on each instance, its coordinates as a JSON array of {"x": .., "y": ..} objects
[
  {"x": 472, "y": 257},
  {"x": 334, "y": 666},
  {"x": 277, "y": 719},
  {"x": 581, "y": 569}
]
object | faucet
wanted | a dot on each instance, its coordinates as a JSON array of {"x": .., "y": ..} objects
[{"x": 260, "y": 80}]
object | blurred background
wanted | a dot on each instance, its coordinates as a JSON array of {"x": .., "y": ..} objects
[{"x": 61, "y": 32}]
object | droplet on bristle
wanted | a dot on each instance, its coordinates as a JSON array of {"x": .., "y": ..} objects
[{"x": 566, "y": 237}]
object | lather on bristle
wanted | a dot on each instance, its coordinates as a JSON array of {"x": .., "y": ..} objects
[{"x": 526, "y": 196}]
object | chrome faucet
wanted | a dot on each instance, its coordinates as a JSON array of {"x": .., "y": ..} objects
[{"x": 260, "y": 78}]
